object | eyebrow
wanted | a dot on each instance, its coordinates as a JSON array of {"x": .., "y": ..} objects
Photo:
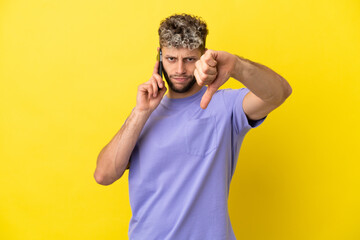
[{"x": 176, "y": 57}]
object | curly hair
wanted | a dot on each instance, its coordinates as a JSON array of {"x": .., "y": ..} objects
[{"x": 183, "y": 30}]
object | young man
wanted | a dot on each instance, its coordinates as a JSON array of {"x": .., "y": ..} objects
[{"x": 181, "y": 149}]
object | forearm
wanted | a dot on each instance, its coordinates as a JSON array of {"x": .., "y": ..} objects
[
  {"x": 114, "y": 157},
  {"x": 261, "y": 80}
]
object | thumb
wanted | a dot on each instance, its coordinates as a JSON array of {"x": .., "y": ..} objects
[{"x": 205, "y": 100}]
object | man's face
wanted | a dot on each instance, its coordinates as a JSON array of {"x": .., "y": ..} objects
[{"x": 179, "y": 66}]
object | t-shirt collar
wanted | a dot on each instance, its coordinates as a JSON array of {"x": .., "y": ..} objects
[{"x": 179, "y": 102}]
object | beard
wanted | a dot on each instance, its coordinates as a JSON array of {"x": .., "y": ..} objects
[{"x": 184, "y": 89}]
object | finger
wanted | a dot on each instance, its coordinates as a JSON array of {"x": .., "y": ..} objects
[
  {"x": 154, "y": 87},
  {"x": 198, "y": 66},
  {"x": 202, "y": 78},
  {"x": 144, "y": 88},
  {"x": 156, "y": 67},
  {"x": 149, "y": 89},
  {"x": 161, "y": 92},
  {"x": 199, "y": 74},
  {"x": 207, "y": 69},
  {"x": 159, "y": 80},
  {"x": 205, "y": 100},
  {"x": 209, "y": 57},
  {"x": 199, "y": 81}
]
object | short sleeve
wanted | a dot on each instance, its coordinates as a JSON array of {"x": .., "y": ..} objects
[{"x": 233, "y": 99}]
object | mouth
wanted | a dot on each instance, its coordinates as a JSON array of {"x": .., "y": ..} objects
[{"x": 182, "y": 79}]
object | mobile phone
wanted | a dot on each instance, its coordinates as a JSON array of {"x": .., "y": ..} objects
[{"x": 160, "y": 69}]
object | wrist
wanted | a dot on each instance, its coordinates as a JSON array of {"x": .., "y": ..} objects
[
  {"x": 239, "y": 68},
  {"x": 142, "y": 112},
  {"x": 234, "y": 73}
]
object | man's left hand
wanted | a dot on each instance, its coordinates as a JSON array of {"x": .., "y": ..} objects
[{"x": 213, "y": 69}]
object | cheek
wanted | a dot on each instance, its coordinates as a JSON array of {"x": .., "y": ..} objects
[
  {"x": 167, "y": 68},
  {"x": 191, "y": 69}
]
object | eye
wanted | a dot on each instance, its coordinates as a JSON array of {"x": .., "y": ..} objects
[
  {"x": 171, "y": 59},
  {"x": 190, "y": 59}
]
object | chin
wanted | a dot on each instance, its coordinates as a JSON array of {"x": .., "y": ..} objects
[{"x": 183, "y": 89}]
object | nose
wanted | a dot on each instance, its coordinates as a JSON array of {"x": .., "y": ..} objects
[{"x": 180, "y": 68}]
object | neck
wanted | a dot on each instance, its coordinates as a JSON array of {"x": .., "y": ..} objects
[{"x": 195, "y": 88}]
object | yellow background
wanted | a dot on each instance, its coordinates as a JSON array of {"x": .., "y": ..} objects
[{"x": 69, "y": 72}]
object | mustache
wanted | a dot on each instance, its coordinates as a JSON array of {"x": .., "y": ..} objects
[{"x": 181, "y": 76}]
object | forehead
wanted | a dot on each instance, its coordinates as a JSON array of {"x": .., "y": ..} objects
[{"x": 180, "y": 52}]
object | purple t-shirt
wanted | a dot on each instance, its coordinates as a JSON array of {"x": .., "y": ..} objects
[{"x": 182, "y": 165}]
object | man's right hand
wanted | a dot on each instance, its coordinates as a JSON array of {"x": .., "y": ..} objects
[
  {"x": 149, "y": 95},
  {"x": 118, "y": 151}
]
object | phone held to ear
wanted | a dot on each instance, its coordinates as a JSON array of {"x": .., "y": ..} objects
[
  {"x": 159, "y": 58},
  {"x": 160, "y": 69}
]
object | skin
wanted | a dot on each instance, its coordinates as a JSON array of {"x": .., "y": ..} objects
[
  {"x": 179, "y": 65},
  {"x": 268, "y": 90}
]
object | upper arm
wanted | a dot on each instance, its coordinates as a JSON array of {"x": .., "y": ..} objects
[{"x": 255, "y": 108}]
